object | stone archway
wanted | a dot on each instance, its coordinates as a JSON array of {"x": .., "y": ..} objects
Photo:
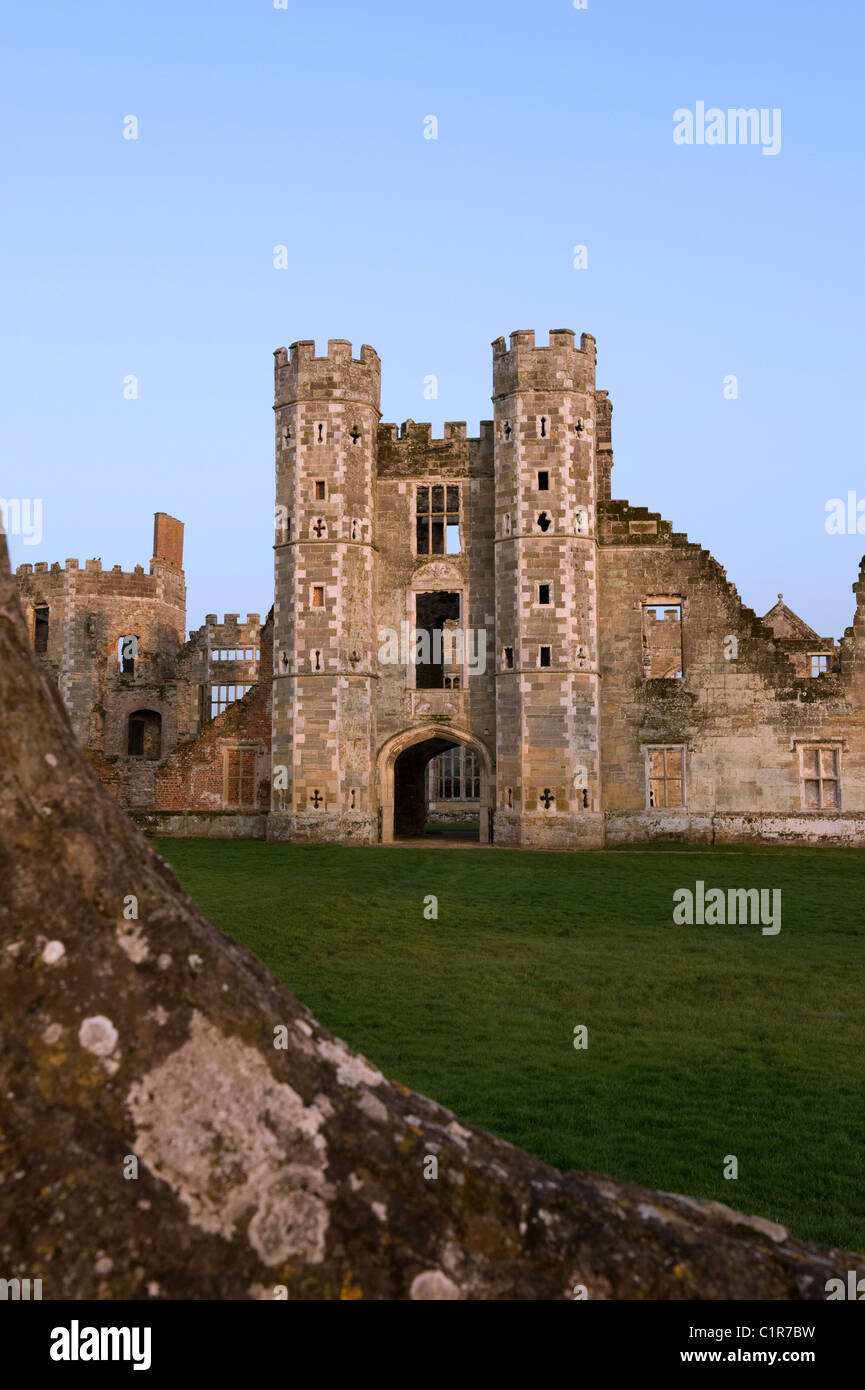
[{"x": 401, "y": 772}]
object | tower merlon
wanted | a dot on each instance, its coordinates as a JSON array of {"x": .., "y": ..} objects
[
  {"x": 560, "y": 366},
  {"x": 300, "y": 375}
]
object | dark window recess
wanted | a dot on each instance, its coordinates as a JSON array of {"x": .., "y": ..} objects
[
  {"x": 546, "y": 656},
  {"x": 543, "y": 481},
  {"x": 320, "y": 490},
  {"x": 40, "y": 633},
  {"x": 509, "y": 658},
  {"x": 435, "y": 613},
  {"x": 144, "y": 739},
  {"x": 438, "y": 520},
  {"x": 543, "y": 593},
  {"x": 544, "y": 521}
]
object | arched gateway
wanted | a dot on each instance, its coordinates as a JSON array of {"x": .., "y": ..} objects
[{"x": 401, "y": 775}]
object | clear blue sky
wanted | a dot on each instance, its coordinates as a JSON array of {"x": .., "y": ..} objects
[{"x": 304, "y": 127}]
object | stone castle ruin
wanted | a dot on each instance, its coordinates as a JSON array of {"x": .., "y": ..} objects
[{"x": 462, "y": 628}]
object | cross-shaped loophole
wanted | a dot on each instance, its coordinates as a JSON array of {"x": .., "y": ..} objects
[
  {"x": 316, "y": 798},
  {"x": 547, "y": 798},
  {"x": 319, "y": 528}
]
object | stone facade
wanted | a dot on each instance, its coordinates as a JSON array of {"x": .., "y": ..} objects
[{"x": 593, "y": 667}]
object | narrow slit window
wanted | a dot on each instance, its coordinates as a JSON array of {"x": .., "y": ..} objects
[
  {"x": 543, "y": 481},
  {"x": 509, "y": 658},
  {"x": 543, "y": 593},
  {"x": 320, "y": 490},
  {"x": 546, "y": 656},
  {"x": 318, "y": 595},
  {"x": 41, "y": 629}
]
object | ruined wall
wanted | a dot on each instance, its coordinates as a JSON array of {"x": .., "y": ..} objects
[
  {"x": 197, "y": 775},
  {"x": 739, "y": 709}
]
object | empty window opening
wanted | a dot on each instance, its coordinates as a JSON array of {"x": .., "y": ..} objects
[
  {"x": 821, "y": 787},
  {"x": 320, "y": 489},
  {"x": 144, "y": 734},
  {"x": 127, "y": 651},
  {"x": 544, "y": 521},
  {"x": 221, "y": 696},
  {"x": 509, "y": 658},
  {"x": 820, "y": 662},
  {"x": 240, "y": 776},
  {"x": 41, "y": 628},
  {"x": 234, "y": 654},
  {"x": 546, "y": 656},
  {"x": 666, "y": 776},
  {"x": 438, "y": 520},
  {"x": 543, "y": 593},
  {"x": 437, "y": 639},
  {"x": 318, "y": 595},
  {"x": 543, "y": 480},
  {"x": 662, "y": 641}
]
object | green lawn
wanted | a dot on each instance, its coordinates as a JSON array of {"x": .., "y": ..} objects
[{"x": 703, "y": 1041}]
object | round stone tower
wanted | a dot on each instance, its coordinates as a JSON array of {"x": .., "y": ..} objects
[
  {"x": 547, "y": 708},
  {"x": 327, "y": 414}
]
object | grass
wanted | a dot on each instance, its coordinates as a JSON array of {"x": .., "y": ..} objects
[{"x": 702, "y": 1041}]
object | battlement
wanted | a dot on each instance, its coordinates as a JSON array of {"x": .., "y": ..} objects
[
  {"x": 233, "y": 620},
  {"x": 560, "y": 366},
  {"x": 420, "y": 432},
  {"x": 300, "y": 375}
]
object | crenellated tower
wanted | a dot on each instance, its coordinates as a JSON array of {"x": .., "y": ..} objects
[
  {"x": 547, "y": 697},
  {"x": 327, "y": 414}
]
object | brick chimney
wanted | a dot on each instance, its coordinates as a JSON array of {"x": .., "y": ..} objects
[{"x": 168, "y": 540}]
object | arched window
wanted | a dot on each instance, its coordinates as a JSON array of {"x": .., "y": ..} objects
[{"x": 144, "y": 739}]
